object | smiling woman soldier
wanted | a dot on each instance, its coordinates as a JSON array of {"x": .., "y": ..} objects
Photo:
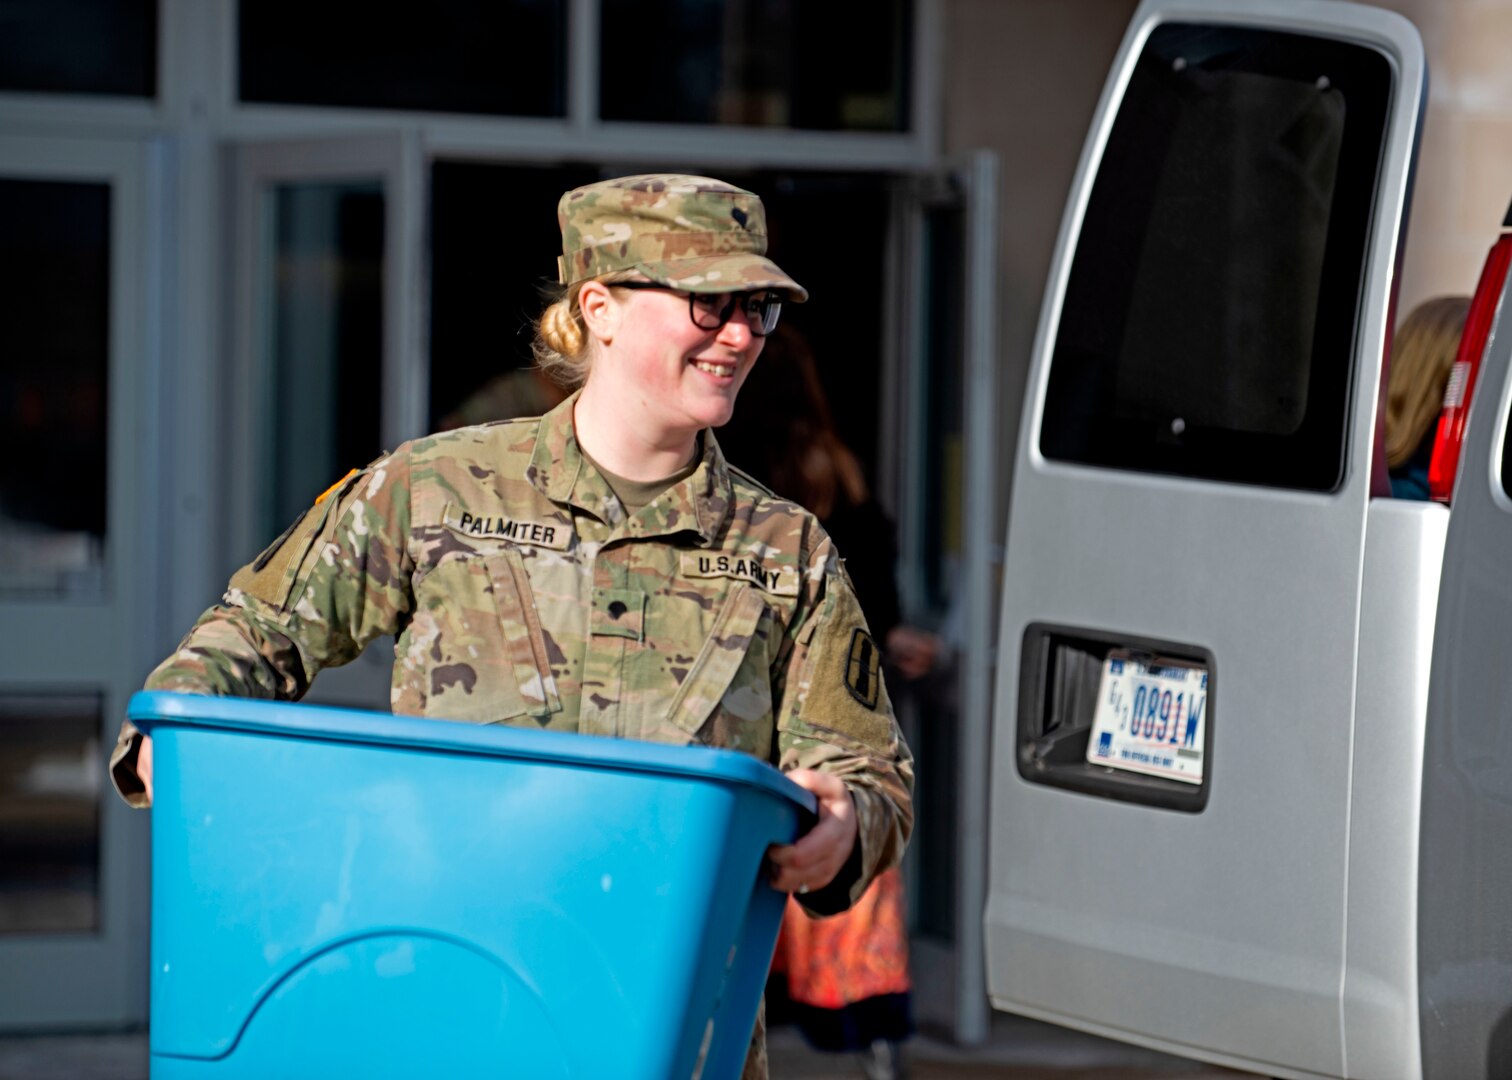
[{"x": 600, "y": 569}]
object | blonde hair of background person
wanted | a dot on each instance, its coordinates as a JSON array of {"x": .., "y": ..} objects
[{"x": 1422, "y": 354}]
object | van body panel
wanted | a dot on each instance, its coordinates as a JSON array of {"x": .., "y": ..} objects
[
  {"x": 1465, "y": 887},
  {"x": 1219, "y": 934},
  {"x": 1190, "y": 926},
  {"x": 1404, "y": 553},
  {"x": 1136, "y": 1038}
]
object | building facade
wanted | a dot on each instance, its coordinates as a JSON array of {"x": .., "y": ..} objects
[{"x": 245, "y": 247}]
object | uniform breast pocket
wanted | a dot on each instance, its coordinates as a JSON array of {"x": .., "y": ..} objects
[
  {"x": 487, "y": 655},
  {"x": 726, "y": 698}
]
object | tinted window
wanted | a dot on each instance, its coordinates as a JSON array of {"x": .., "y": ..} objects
[
  {"x": 325, "y": 339},
  {"x": 503, "y": 57},
  {"x": 1209, "y": 319},
  {"x": 54, "y": 386},
  {"x": 493, "y": 243},
  {"x": 79, "y": 47},
  {"x": 812, "y": 65},
  {"x": 49, "y": 812}
]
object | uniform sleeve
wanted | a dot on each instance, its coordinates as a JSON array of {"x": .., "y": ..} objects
[
  {"x": 834, "y": 715},
  {"x": 335, "y": 580}
]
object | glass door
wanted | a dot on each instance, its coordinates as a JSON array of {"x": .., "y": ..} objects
[
  {"x": 78, "y": 576},
  {"x": 326, "y": 327},
  {"x": 944, "y": 400}
]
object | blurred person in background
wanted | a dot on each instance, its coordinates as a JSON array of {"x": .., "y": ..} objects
[
  {"x": 842, "y": 980},
  {"x": 1422, "y": 354}
]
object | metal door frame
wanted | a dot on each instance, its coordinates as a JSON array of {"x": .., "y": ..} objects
[
  {"x": 971, "y": 181},
  {"x": 102, "y": 643},
  {"x": 394, "y": 161}
]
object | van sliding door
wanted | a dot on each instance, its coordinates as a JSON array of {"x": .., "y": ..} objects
[
  {"x": 1465, "y": 841},
  {"x": 1175, "y": 702}
]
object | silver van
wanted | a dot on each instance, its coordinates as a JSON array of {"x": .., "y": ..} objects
[{"x": 1252, "y": 765}]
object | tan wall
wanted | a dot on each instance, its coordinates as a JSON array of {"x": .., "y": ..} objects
[
  {"x": 1464, "y": 175},
  {"x": 1022, "y": 77}
]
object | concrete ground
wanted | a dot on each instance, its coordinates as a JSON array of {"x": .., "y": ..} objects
[
  {"x": 73, "y": 1057},
  {"x": 1018, "y": 1050}
]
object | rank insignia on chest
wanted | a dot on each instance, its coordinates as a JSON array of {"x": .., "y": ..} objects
[
  {"x": 769, "y": 577},
  {"x": 486, "y": 526}
]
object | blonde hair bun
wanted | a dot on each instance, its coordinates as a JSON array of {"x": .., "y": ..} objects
[{"x": 560, "y": 330}]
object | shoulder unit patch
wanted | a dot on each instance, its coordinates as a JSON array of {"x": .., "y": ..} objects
[{"x": 863, "y": 669}]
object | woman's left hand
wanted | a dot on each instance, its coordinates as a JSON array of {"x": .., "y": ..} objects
[{"x": 813, "y": 861}]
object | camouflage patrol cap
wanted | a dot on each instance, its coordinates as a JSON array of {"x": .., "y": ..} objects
[{"x": 685, "y": 232}]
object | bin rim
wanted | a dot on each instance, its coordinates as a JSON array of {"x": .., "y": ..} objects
[{"x": 150, "y": 709}]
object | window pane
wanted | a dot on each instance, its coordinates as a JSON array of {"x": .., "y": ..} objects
[
  {"x": 1209, "y": 319},
  {"x": 50, "y": 773},
  {"x": 786, "y": 64},
  {"x": 325, "y": 339},
  {"x": 494, "y": 243},
  {"x": 944, "y": 415},
  {"x": 55, "y": 278},
  {"x": 79, "y": 47},
  {"x": 940, "y": 528},
  {"x": 503, "y": 57}
]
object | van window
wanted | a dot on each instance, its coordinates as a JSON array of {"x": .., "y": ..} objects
[{"x": 1209, "y": 318}]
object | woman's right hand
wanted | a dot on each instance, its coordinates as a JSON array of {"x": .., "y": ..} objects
[{"x": 144, "y": 765}]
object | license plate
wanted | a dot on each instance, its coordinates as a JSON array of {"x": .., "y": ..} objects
[{"x": 1151, "y": 718}]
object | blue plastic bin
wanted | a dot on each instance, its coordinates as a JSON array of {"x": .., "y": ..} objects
[{"x": 341, "y": 893}]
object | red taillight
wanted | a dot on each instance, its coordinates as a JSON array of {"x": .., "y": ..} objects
[{"x": 1444, "y": 466}]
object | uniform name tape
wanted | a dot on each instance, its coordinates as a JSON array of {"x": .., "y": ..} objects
[{"x": 549, "y": 534}]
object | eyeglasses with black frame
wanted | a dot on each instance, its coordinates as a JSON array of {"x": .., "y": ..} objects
[{"x": 710, "y": 311}]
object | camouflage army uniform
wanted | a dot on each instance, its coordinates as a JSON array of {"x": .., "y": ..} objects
[{"x": 520, "y": 592}]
